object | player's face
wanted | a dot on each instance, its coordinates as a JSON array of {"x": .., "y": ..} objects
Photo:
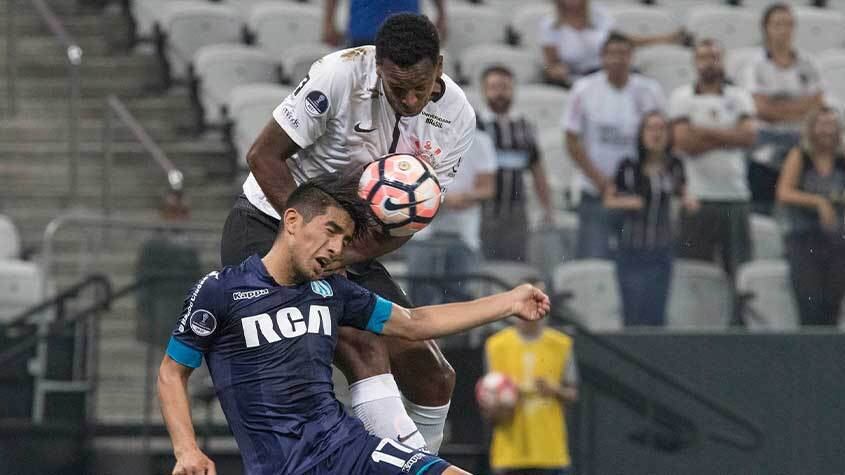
[
  {"x": 708, "y": 62},
  {"x": 616, "y": 58},
  {"x": 320, "y": 242},
  {"x": 409, "y": 89},
  {"x": 498, "y": 90}
]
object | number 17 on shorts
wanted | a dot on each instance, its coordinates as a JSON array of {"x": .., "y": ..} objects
[{"x": 392, "y": 458}]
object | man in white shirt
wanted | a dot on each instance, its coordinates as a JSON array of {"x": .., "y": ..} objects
[
  {"x": 353, "y": 107},
  {"x": 601, "y": 122},
  {"x": 451, "y": 244},
  {"x": 713, "y": 125}
]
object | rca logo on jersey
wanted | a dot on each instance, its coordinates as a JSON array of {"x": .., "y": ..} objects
[
  {"x": 321, "y": 287},
  {"x": 250, "y": 294},
  {"x": 290, "y": 323},
  {"x": 316, "y": 103}
]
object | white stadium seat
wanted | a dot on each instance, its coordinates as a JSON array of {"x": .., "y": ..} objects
[
  {"x": 766, "y": 238},
  {"x": 10, "y": 240},
  {"x": 298, "y": 60},
  {"x": 511, "y": 273},
  {"x": 819, "y": 29},
  {"x": 595, "y": 293},
  {"x": 145, "y": 14},
  {"x": 21, "y": 287},
  {"x": 733, "y": 27},
  {"x": 760, "y": 5},
  {"x": 541, "y": 103},
  {"x": 475, "y": 59},
  {"x": 681, "y": 8},
  {"x": 526, "y": 24},
  {"x": 641, "y": 20},
  {"x": 736, "y": 61},
  {"x": 769, "y": 303},
  {"x": 222, "y": 67},
  {"x": 244, "y": 7},
  {"x": 472, "y": 25},
  {"x": 670, "y": 65},
  {"x": 279, "y": 26},
  {"x": 250, "y": 109},
  {"x": 832, "y": 67},
  {"x": 699, "y": 296},
  {"x": 189, "y": 25}
]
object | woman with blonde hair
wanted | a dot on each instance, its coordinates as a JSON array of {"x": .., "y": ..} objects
[{"x": 811, "y": 189}]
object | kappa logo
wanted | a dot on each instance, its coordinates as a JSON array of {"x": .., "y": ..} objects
[
  {"x": 250, "y": 294},
  {"x": 321, "y": 287}
]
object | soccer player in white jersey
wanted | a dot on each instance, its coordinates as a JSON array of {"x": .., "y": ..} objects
[{"x": 353, "y": 107}]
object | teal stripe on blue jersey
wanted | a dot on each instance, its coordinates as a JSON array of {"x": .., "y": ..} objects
[
  {"x": 381, "y": 313},
  {"x": 427, "y": 466},
  {"x": 183, "y": 354}
]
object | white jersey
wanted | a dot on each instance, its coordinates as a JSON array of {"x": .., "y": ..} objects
[{"x": 340, "y": 118}]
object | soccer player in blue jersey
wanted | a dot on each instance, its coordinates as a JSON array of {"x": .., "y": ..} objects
[{"x": 268, "y": 330}]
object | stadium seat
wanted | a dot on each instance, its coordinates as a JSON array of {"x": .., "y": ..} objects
[
  {"x": 669, "y": 65},
  {"x": 832, "y": 67},
  {"x": 733, "y": 27},
  {"x": 276, "y": 27},
  {"x": 218, "y": 69},
  {"x": 144, "y": 14},
  {"x": 250, "y": 109},
  {"x": 699, "y": 297},
  {"x": 541, "y": 103},
  {"x": 760, "y": 5},
  {"x": 21, "y": 287},
  {"x": 473, "y": 25},
  {"x": 681, "y": 8},
  {"x": 550, "y": 246},
  {"x": 766, "y": 238},
  {"x": 10, "y": 241},
  {"x": 475, "y": 59},
  {"x": 736, "y": 61},
  {"x": 594, "y": 293},
  {"x": 525, "y": 24},
  {"x": 244, "y": 7},
  {"x": 819, "y": 29},
  {"x": 298, "y": 60},
  {"x": 768, "y": 302},
  {"x": 187, "y": 26},
  {"x": 641, "y": 20}
]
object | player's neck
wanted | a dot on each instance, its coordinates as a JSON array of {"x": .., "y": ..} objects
[{"x": 277, "y": 263}]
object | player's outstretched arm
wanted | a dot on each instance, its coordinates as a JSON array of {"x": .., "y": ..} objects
[
  {"x": 423, "y": 323},
  {"x": 176, "y": 411},
  {"x": 266, "y": 159}
]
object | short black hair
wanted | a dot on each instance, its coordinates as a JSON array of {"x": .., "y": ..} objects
[
  {"x": 314, "y": 196},
  {"x": 406, "y": 39},
  {"x": 616, "y": 37},
  {"x": 496, "y": 69}
]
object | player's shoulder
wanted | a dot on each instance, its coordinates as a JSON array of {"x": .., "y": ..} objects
[
  {"x": 502, "y": 338},
  {"x": 354, "y": 65},
  {"x": 643, "y": 83},
  {"x": 589, "y": 83},
  {"x": 557, "y": 337}
]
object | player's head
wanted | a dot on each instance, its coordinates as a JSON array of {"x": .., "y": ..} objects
[
  {"x": 497, "y": 82},
  {"x": 708, "y": 61},
  {"x": 616, "y": 53},
  {"x": 408, "y": 61},
  {"x": 323, "y": 215}
]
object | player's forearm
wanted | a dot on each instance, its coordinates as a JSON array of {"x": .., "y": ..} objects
[
  {"x": 267, "y": 162},
  {"x": 176, "y": 410},
  {"x": 437, "y": 321},
  {"x": 579, "y": 156}
]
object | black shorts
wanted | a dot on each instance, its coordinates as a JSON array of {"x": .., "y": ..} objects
[{"x": 249, "y": 231}]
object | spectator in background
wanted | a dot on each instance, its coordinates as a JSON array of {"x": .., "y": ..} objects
[
  {"x": 533, "y": 438},
  {"x": 786, "y": 85},
  {"x": 643, "y": 191},
  {"x": 572, "y": 40},
  {"x": 451, "y": 244},
  {"x": 713, "y": 125},
  {"x": 170, "y": 262},
  {"x": 812, "y": 189},
  {"x": 601, "y": 121},
  {"x": 505, "y": 219},
  {"x": 366, "y": 16}
]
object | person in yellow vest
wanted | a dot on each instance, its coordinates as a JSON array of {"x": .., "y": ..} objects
[{"x": 531, "y": 438}]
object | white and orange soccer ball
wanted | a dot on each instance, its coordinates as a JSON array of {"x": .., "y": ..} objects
[
  {"x": 403, "y": 193},
  {"x": 496, "y": 391}
]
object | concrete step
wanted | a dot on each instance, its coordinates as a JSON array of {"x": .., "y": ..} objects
[
  {"x": 91, "y": 69},
  {"x": 27, "y": 129},
  {"x": 47, "y": 46},
  {"x": 91, "y": 87},
  {"x": 148, "y": 106}
]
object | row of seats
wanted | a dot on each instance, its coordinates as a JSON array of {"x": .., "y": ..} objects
[{"x": 21, "y": 282}]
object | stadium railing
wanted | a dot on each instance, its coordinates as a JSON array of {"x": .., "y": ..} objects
[
  {"x": 73, "y": 53},
  {"x": 117, "y": 111}
]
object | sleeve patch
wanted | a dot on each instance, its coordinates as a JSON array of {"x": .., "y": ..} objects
[
  {"x": 203, "y": 322},
  {"x": 183, "y": 354},
  {"x": 380, "y": 315},
  {"x": 316, "y": 103}
]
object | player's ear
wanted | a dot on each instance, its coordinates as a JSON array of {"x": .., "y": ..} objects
[
  {"x": 439, "y": 68},
  {"x": 292, "y": 220}
]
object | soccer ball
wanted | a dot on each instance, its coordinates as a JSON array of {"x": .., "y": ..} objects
[
  {"x": 402, "y": 191},
  {"x": 496, "y": 391}
]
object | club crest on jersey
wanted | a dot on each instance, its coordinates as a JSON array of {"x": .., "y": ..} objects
[
  {"x": 316, "y": 103},
  {"x": 428, "y": 151},
  {"x": 203, "y": 322},
  {"x": 321, "y": 287}
]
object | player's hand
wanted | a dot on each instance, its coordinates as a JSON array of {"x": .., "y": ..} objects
[
  {"x": 545, "y": 388},
  {"x": 194, "y": 462},
  {"x": 529, "y": 302},
  {"x": 827, "y": 215}
]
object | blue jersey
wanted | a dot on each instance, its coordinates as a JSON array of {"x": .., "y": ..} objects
[
  {"x": 366, "y": 17},
  {"x": 269, "y": 350}
]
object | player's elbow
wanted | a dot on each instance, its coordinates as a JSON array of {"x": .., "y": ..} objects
[{"x": 255, "y": 157}]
